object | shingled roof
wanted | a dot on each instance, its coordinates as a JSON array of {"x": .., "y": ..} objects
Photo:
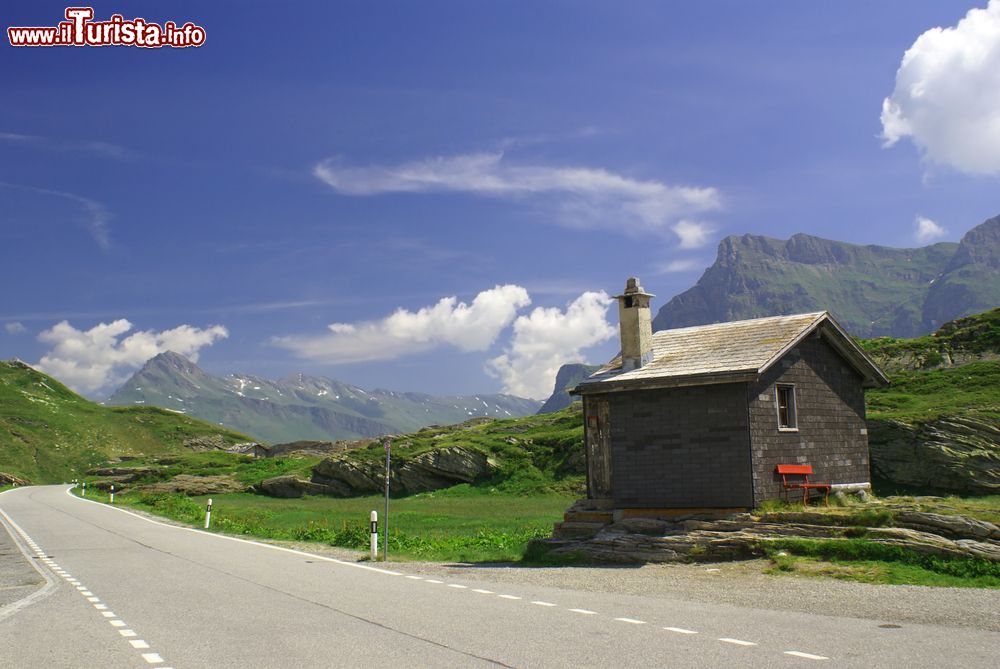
[{"x": 728, "y": 352}]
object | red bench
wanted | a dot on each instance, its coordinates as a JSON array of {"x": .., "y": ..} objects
[{"x": 803, "y": 471}]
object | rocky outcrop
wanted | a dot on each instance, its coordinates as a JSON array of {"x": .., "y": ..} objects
[
  {"x": 741, "y": 536},
  {"x": 209, "y": 442},
  {"x": 345, "y": 476},
  {"x": 122, "y": 474},
  {"x": 290, "y": 486},
  {"x": 187, "y": 484},
  {"x": 958, "y": 454},
  {"x": 10, "y": 479}
]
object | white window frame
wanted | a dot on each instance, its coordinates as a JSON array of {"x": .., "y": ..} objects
[{"x": 793, "y": 419}]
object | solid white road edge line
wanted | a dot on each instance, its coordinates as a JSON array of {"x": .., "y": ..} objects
[
  {"x": 50, "y": 583},
  {"x": 243, "y": 541}
]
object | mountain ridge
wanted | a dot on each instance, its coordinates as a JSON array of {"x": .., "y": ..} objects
[
  {"x": 299, "y": 406},
  {"x": 872, "y": 290}
]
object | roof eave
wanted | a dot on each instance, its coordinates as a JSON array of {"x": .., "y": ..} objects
[{"x": 655, "y": 383}]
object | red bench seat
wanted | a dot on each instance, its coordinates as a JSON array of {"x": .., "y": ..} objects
[{"x": 803, "y": 483}]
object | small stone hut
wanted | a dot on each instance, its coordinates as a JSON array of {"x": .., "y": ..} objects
[{"x": 699, "y": 417}]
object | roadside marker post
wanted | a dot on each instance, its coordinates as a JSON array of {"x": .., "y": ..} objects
[
  {"x": 374, "y": 541},
  {"x": 385, "y": 521},
  {"x": 84, "y": 488},
  {"x": 112, "y": 493},
  {"x": 208, "y": 513}
]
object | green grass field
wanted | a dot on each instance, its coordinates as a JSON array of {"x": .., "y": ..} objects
[{"x": 462, "y": 524}]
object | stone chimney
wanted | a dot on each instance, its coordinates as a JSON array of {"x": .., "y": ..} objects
[{"x": 636, "y": 326}]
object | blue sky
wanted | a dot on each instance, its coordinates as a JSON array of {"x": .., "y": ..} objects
[{"x": 487, "y": 168}]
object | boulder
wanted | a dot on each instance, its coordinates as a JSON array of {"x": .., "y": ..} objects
[
  {"x": 197, "y": 485},
  {"x": 289, "y": 486},
  {"x": 346, "y": 476},
  {"x": 955, "y": 526},
  {"x": 960, "y": 454}
]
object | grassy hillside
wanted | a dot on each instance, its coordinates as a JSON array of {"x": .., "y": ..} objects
[
  {"x": 956, "y": 342},
  {"x": 48, "y": 433},
  {"x": 953, "y": 372}
]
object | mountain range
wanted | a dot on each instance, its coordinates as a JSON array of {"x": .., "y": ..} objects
[
  {"x": 871, "y": 290},
  {"x": 301, "y": 407}
]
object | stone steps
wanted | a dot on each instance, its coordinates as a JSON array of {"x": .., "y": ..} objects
[{"x": 576, "y": 529}]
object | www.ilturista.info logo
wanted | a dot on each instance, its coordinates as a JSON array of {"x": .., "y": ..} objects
[{"x": 79, "y": 29}]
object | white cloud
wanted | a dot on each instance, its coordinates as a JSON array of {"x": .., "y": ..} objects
[
  {"x": 947, "y": 94},
  {"x": 97, "y": 214},
  {"x": 548, "y": 338},
  {"x": 681, "y": 265},
  {"x": 583, "y": 196},
  {"x": 14, "y": 327},
  {"x": 91, "y": 146},
  {"x": 97, "y": 359},
  {"x": 926, "y": 230},
  {"x": 692, "y": 234},
  {"x": 467, "y": 327}
]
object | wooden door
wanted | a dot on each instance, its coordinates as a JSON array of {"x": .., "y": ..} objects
[{"x": 598, "y": 440}]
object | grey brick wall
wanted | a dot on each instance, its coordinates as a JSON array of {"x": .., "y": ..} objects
[
  {"x": 681, "y": 447},
  {"x": 830, "y": 408}
]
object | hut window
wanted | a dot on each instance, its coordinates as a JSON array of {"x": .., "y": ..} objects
[{"x": 786, "y": 407}]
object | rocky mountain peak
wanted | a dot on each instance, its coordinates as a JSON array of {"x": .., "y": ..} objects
[{"x": 871, "y": 290}]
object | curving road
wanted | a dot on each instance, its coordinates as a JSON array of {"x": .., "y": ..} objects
[{"x": 125, "y": 591}]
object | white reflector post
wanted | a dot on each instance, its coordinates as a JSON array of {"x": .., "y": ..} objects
[
  {"x": 374, "y": 535},
  {"x": 112, "y": 493},
  {"x": 208, "y": 513}
]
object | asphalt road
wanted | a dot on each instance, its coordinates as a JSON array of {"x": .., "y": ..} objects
[{"x": 124, "y": 591}]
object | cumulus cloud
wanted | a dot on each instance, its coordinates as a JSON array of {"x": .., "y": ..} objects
[
  {"x": 99, "y": 359},
  {"x": 467, "y": 327},
  {"x": 926, "y": 230},
  {"x": 692, "y": 234},
  {"x": 14, "y": 327},
  {"x": 548, "y": 338},
  {"x": 947, "y": 94},
  {"x": 583, "y": 196}
]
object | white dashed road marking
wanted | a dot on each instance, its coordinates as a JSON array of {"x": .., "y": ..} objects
[
  {"x": 808, "y": 656},
  {"x": 154, "y": 658},
  {"x": 110, "y": 616},
  {"x": 679, "y": 630}
]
